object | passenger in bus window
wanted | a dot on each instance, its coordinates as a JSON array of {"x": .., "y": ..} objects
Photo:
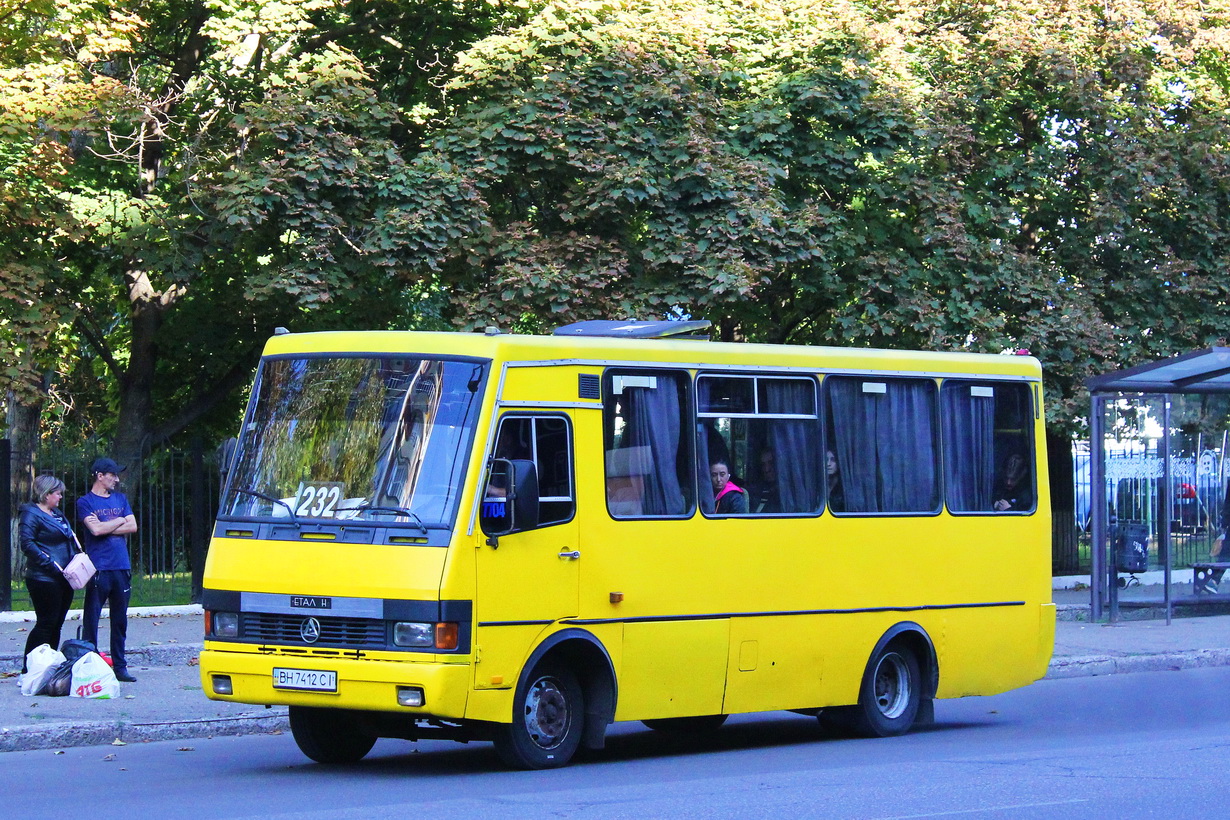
[
  {"x": 729, "y": 498},
  {"x": 1013, "y": 490},
  {"x": 837, "y": 499},
  {"x": 767, "y": 496}
]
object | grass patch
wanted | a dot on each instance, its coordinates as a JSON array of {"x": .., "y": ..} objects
[{"x": 162, "y": 589}]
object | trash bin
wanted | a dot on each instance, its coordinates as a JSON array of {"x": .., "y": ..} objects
[{"x": 1132, "y": 547}]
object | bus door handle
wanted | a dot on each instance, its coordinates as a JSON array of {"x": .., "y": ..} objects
[{"x": 573, "y": 555}]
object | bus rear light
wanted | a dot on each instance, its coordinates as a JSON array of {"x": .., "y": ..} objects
[{"x": 446, "y": 636}]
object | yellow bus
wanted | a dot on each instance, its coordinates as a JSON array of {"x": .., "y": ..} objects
[{"x": 524, "y": 539}]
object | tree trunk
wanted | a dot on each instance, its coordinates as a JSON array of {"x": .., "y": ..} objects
[
  {"x": 137, "y": 383},
  {"x": 22, "y": 422},
  {"x": 1065, "y": 557}
]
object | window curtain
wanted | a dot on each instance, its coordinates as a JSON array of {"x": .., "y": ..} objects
[
  {"x": 853, "y": 422},
  {"x": 795, "y": 444},
  {"x": 969, "y": 448},
  {"x": 653, "y": 420},
  {"x": 885, "y": 445}
]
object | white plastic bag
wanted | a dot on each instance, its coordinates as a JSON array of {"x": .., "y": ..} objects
[
  {"x": 39, "y": 664},
  {"x": 93, "y": 678}
]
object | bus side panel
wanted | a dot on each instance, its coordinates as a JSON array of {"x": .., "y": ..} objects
[
  {"x": 987, "y": 651},
  {"x": 672, "y": 669},
  {"x": 500, "y": 652},
  {"x": 775, "y": 663}
]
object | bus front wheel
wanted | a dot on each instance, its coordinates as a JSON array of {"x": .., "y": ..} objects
[
  {"x": 890, "y": 694},
  {"x": 328, "y": 735},
  {"x": 548, "y": 718}
]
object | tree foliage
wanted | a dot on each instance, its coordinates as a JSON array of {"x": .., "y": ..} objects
[
  {"x": 179, "y": 176},
  {"x": 987, "y": 176}
]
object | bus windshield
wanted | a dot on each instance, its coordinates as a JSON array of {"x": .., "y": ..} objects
[{"x": 359, "y": 438}]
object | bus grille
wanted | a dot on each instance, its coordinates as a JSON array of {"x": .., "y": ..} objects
[{"x": 284, "y": 629}]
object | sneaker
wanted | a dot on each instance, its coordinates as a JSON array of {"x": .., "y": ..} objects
[{"x": 123, "y": 675}]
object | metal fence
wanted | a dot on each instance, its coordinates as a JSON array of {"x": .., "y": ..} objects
[
  {"x": 174, "y": 496},
  {"x": 1134, "y": 476}
]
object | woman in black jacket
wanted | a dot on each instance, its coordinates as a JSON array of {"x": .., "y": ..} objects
[{"x": 46, "y": 539}]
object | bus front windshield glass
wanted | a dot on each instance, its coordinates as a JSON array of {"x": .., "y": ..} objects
[{"x": 378, "y": 439}]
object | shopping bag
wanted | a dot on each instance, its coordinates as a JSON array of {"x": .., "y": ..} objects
[
  {"x": 39, "y": 665},
  {"x": 93, "y": 678},
  {"x": 58, "y": 681}
]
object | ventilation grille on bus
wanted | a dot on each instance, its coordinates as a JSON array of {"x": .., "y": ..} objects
[
  {"x": 284, "y": 629},
  {"x": 589, "y": 386}
]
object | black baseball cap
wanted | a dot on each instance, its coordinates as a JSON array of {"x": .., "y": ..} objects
[{"x": 106, "y": 465}]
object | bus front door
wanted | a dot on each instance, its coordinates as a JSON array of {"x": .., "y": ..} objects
[{"x": 530, "y": 579}]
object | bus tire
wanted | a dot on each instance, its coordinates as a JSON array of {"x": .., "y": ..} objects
[
  {"x": 328, "y": 735},
  {"x": 890, "y": 694},
  {"x": 686, "y": 725},
  {"x": 548, "y": 721}
]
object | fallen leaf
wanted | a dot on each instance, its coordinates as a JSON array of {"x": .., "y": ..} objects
[
  {"x": 185, "y": 749},
  {"x": 172, "y": 640},
  {"x": 194, "y": 661},
  {"x": 156, "y": 643},
  {"x": 129, "y": 697},
  {"x": 59, "y": 752},
  {"x": 109, "y": 757}
]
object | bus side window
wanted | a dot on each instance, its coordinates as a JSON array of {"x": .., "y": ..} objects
[
  {"x": 648, "y": 453},
  {"x": 766, "y": 432},
  {"x": 883, "y": 434},
  {"x": 987, "y": 455},
  {"x": 547, "y": 441}
]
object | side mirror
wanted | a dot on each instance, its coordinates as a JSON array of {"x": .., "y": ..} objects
[{"x": 510, "y": 500}]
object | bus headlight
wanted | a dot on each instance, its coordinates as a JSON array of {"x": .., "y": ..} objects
[
  {"x": 225, "y": 624},
  {"x": 414, "y": 634}
]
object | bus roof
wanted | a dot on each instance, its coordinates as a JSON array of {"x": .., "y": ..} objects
[{"x": 511, "y": 348}]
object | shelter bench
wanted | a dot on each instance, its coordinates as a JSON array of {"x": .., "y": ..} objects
[{"x": 1201, "y": 572}]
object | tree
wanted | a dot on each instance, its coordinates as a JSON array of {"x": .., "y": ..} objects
[{"x": 224, "y": 179}]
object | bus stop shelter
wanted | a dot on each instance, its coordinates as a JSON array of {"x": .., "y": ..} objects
[{"x": 1202, "y": 371}]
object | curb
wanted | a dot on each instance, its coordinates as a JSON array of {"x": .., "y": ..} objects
[
  {"x": 171, "y": 654},
  {"x": 105, "y": 733},
  {"x": 1090, "y": 665},
  {"x": 27, "y": 616}
]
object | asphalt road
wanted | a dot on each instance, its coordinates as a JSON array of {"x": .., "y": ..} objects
[{"x": 1129, "y": 745}]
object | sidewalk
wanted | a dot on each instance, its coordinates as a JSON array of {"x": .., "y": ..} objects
[{"x": 166, "y": 702}]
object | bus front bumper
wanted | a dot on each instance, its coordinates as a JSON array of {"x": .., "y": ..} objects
[{"x": 440, "y": 689}]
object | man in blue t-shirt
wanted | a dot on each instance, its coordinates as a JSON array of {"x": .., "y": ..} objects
[{"x": 108, "y": 520}]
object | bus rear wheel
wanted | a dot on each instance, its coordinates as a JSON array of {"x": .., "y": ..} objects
[
  {"x": 328, "y": 735},
  {"x": 548, "y": 718},
  {"x": 890, "y": 694}
]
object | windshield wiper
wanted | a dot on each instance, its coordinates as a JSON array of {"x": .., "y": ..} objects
[
  {"x": 399, "y": 510},
  {"x": 269, "y": 498}
]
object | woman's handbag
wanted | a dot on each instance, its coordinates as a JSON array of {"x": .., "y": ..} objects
[{"x": 79, "y": 570}]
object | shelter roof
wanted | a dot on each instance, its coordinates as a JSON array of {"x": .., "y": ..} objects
[{"x": 1201, "y": 371}]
